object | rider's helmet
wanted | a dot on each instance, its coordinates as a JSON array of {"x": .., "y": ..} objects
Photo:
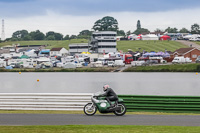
[{"x": 105, "y": 87}]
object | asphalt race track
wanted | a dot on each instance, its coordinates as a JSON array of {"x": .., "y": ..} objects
[{"x": 74, "y": 119}]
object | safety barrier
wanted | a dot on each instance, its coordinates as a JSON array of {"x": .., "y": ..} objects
[
  {"x": 162, "y": 103},
  {"x": 76, "y": 101},
  {"x": 43, "y": 101}
]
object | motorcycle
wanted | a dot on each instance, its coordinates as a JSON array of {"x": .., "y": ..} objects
[{"x": 101, "y": 104}]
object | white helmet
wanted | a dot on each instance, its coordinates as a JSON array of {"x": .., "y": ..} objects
[{"x": 105, "y": 87}]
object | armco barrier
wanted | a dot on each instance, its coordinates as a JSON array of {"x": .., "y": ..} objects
[
  {"x": 76, "y": 101},
  {"x": 162, "y": 103},
  {"x": 43, "y": 101}
]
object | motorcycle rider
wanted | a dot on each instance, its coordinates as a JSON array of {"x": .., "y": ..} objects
[{"x": 110, "y": 95}]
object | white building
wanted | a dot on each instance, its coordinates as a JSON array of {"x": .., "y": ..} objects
[
  {"x": 103, "y": 42},
  {"x": 58, "y": 52},
  {"x": 78, "y": 48}
]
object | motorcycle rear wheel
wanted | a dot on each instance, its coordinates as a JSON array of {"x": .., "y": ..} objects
[
  {"x": 123, "y": 110},
  {"x": 90, "y": 109}
]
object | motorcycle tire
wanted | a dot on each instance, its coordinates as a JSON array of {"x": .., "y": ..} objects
[
  {"x": 123, "y": 110},
  {"x": 93, "y": 111}
]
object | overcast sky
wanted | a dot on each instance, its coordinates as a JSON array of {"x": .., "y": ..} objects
[{"x": 72, "y": 16}]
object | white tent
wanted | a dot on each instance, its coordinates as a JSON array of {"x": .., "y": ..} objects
[{"x": 150, "y": 37}]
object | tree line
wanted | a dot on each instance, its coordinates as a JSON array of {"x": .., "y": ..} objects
[{"x": 107, "y": 23}]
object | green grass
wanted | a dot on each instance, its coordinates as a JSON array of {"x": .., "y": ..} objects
[
  {"x": 98, "y": 129},
  {"x": 197, "y": 42},
  {"x": 121, "y": 45},
  {"x": 51, "y": 44},
  {"x": 149, "y": 45},
  {"x": 166, "y": 68}
]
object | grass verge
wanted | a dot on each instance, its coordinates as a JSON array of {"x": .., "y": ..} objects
[
  {"x": 121, "y": 45},
  {"x": 166, "y": 68},
  {"x": 50, "y": 43},
  {"x": 149, "y": 45},
  {"x": 98, "y": 129}
]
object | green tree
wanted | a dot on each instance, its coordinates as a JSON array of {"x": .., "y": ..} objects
[
  {"x": 158, "y": 30},
  {"x": 50, "y": 37},
  {"x": 66, "y": 37},
  {"x": 50, "y": 33},
  {"x": 7, "y": 39},
  {"x": 20, "y": 34},
  {"x": 37, "y": 35},
  {"x": 184, "y": 30},
  {"x": 106, "y": 24},
  {"x": 140, "y": 31},
  {"x": 58, "y": 36},
  {"x": 121, "y": 33},
  {"x": 85, "y": 34},
  {"x": 138, "y": 24},
  {"x": 14, "y": 39},
  {"x": 171, "y": 30},
  {"x": 73, "y": 37},
  {"x": 195, "y": 29},
  {"x": 27, "y": 38},
  {"x": 128, "y": 33},
  {"x": 53, "y": 35}
]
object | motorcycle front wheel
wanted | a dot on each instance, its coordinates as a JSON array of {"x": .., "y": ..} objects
[
  {"x": 122, "y": 110},
  {"x": 90, "y": 109}
]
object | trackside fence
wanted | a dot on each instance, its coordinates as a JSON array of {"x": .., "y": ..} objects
[
  {"x": 43, "y": 101},
  {"x": 76, "y": 101},
  {"x": 162, "y": 103}
]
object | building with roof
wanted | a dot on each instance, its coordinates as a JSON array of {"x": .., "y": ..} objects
[
  {"x": 100, "y": 42},
  {"x": 103, "y": 42},
  {"x": 191, "y": 53},
  {"x": 59, "y": 52},
  {"x": 78, "y": 48}
]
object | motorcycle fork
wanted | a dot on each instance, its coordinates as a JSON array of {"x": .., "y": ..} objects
[{"x": 91, "y": 105}]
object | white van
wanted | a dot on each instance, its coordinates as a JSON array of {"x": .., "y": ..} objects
[
  {"x": 119, "y": 63},
  {"x": 178, "y": 60},
  {"x": 111, "y": 63},
  {"x": 103, "y": 60}
]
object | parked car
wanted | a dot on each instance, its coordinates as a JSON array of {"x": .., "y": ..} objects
[
  {"x": 69, "y": 65},
  {"x": 96, "y": 64},
  {"x": 15, "y": 65},
  {"x": 111, "y": 63},
  {"x": 60, "y": 64},
  {"x": 195, "y": 39},
  {"x": 137, "y": 63},
  {"x": 103, "y": 60},
  {"x": 79, "y": 65},
  {"x": 55, "y": 63},
  {"x": 188, "y": 60},
  {"x": 163, "y": 61},
  {"x": 198, "y": 59}
]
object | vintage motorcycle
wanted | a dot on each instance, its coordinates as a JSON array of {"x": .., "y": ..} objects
[{"x": 101, "y": 104}]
